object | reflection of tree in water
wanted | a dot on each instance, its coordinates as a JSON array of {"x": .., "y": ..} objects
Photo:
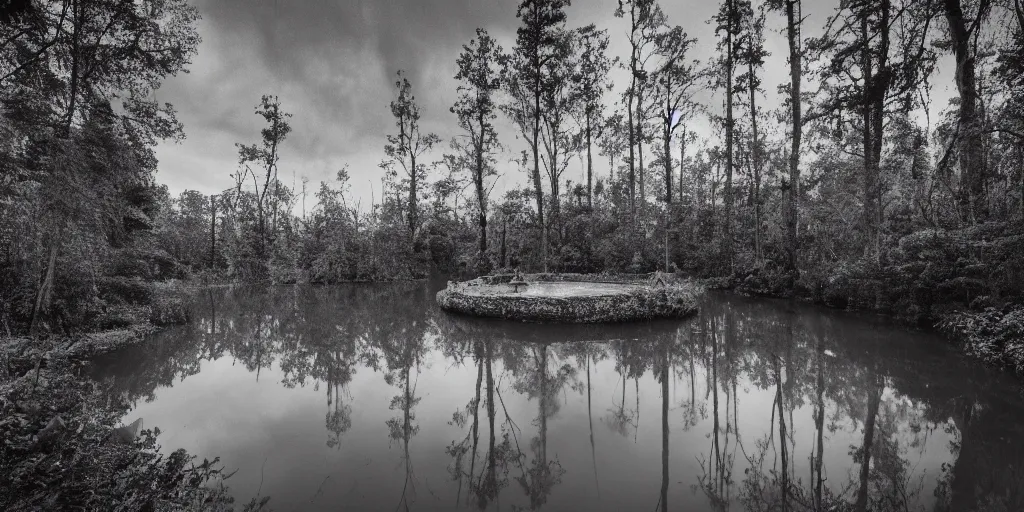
[
  {"x": 586, "y": 354},
  {"x": 632, "y": 360},
  {"x": 542, "y": 474},
  {"x": 720, "y": 360},
  {"x": 483, "y": 485},
  {"x": 851, "y": 382},
  {"x": 398, "y": 336}
]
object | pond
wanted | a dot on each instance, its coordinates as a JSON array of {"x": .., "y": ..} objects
[{"x": 368, "y": 397}]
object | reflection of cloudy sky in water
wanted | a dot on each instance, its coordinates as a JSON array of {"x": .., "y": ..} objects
[{"x": 223, "y": 411}]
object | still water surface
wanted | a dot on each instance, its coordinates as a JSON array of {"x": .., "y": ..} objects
[{"x": 367, "y": 397}]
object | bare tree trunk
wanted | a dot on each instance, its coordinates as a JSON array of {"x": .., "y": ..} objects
[
  {"x": 45, "y": 286},
  {"x": 642, "y": 197},
  {"x": 630, "y": 94},
  {"x": 682, "y": 161},
  {"x": 504, "y": 230},
  {"x": 480, "y": 192},
  {"x": 667, "y": 148},
  {"x": 590, "y": 165},
  {"x": 755, "y": 154},
  {"x": 793, "y": 19},
  {"x": 413, "y": 221},
  {"x": 538, "y": 188},
  {"x": 727, "y": 248},
  {"x": 213, "y": 230}
]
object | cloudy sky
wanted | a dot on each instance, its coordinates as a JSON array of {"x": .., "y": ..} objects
[{"x": 333, "y": 63}]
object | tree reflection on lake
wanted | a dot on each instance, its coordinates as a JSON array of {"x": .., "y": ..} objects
[{"x": 369, "y": 397}]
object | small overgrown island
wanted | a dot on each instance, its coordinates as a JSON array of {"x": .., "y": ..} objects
[{"x": 630, "y": 298}]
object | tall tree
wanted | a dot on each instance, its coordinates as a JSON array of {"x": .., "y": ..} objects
[
  {"x": 560, "y": 103},
  {"x": 407, "y": 146},
  {"x": 613, "y": 140},
  {"x": 266, "y": 155},
  {"x": 63, "y": 64},
  {"x": 794, "y": 20},
  {"x": 879, "y": 57},
  {"x": 481, "y": 66},
  {"x": 963, "y": 42},
  {"x": 591, "y": 82},
  {"x": 645, "y": 19},
  {"x": 677, "y": 79},
  {"x": 537, "y": 40},
  {"x": 729, "y": 27},
  {"x": 751, "y": 55}
]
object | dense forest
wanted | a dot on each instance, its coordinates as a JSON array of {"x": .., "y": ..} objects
[
  {"x": 834, "y": 190},
  {"x": 847, "y": 193},
  {"x": 835, "y": 186}
]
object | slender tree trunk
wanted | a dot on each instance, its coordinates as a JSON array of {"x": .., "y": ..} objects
[
  {"x": 590, "y": 165},
  {"x": 481, "y": 195},
  {"x": 413, "y": 221},
  {"x": 45, "y": 286},
  {"x": 630, "y": 95},
  {"x": 213, "y": 230},
  {"x": 556, "y": 195},
  {"x": 667, "y": 139},
  {"x": 870, "y": 169},
  {"x": 727, "y": 248},
  {"x": 755, "y": 156},
  {"x": 682, "y": 161},
  {"x": 504, "y": 230},
  {"x": 642, "y": 196},
  {"x": 793, "y": 13},
  {"x": 632, "y": 154},
  {"x": 538, "y": 188}
]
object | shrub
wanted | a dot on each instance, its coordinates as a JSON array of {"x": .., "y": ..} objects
[
  {"x": 58, "y": 452},
  {"x": 994, "y": 335}
]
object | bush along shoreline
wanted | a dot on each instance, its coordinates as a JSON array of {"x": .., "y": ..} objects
[
  {"x": 63, "y": 448},
  {"x": 967, "y": 284}
]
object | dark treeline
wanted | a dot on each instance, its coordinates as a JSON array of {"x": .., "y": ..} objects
[
  {"x": 809, "y": 362},
  {"x": 844, "y": 192}
]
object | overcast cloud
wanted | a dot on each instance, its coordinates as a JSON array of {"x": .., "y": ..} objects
[{"x": 333, "y": 66}]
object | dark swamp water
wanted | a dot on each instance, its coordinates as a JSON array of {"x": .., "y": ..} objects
[{"x": 367, "y": 397}]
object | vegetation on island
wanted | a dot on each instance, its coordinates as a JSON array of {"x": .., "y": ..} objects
[{"x": 632, "y": 299}]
